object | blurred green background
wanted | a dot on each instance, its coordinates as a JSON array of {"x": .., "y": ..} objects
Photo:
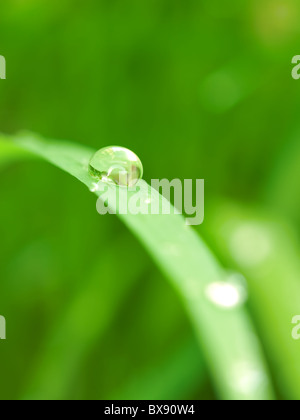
[{"x": 198, "y": 89}]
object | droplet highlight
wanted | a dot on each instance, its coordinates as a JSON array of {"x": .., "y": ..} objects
[
  {"x": 116, "y": 165},
  {"x": 228, "y": 294}
]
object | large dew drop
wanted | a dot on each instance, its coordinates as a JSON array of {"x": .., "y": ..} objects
[{"x": 116, "y": 165}]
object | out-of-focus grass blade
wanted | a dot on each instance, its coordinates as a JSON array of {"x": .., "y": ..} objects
[
  {"x": 267, "y": 253},
  {"x": 76, "y": 330},
  {"x": 283, "y": 186},
  {"x": 176, "y": 377},
  {"x": 230, "y": 346},
  {"x": 9, "y": 152}
]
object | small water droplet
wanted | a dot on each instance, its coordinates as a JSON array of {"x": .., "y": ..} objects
[
  {"x": 248, "y": 377},
  {"x": 116, "y": 165},
  {"x": 95, "y": 187},
  {"x": 228, "y": 294}
]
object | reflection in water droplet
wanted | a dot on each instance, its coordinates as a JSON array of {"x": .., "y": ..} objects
[
  {"x": 247, "y": 377},
  {"x": 116, "y": 165},
  {"x": 228, "y": 294},
  {"x": 95, "y": 187}
]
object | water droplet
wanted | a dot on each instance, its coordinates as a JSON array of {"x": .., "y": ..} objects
[
  {"x": 228, "y": 294},
  {"x": 95, "y": 187},
  {"x": 116, "y": 165},
  {"x": 247, "y": 377}
]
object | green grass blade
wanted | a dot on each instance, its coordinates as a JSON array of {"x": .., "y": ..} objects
[
  {"x": 281, "y": 192},
  {"x": 76, "y": 330},
  {"x": 227, "y": 338},
  {"x": 264, "y": 249},
  {"x": 9, "y": 152},
  {"x": 177, "y": 376}
]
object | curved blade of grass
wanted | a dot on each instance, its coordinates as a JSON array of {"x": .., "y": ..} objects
[
  {"x": 177, "y": 377},
  {"x": 76, "y": 330},
  {"x": 229, "y": 344},
  {"x": 9, "y": 152},
  {"x": 265, "y": 250}
]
